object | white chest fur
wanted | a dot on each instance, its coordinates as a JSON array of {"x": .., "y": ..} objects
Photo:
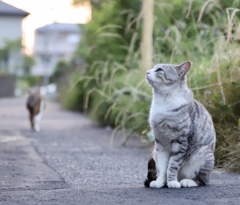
[{"x": 164, "y": 105}]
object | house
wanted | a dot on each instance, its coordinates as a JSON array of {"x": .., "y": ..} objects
[
  {"x": 11, "y": 38},
  {"x": 52, "y": 43}
]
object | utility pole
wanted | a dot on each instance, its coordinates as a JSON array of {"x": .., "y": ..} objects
[{"x": 147, "y": 34}]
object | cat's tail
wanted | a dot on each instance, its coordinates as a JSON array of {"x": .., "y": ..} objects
[{"x": 152, "y": 172}]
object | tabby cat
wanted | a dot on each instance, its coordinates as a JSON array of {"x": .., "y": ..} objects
[
  {"x": 184, "y": 134},
  {"x": 35, "y": 105}
]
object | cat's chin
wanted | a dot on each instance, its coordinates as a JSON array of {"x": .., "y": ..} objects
[{"x": 149, "y": 80}]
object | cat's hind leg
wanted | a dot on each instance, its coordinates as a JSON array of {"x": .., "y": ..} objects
[
  {"x": 37, "y": 120},
  {"x": 203, "y": 176},
  {"x": 197, "y": 169},
  {"x": 31, "y": 119},
  {"x": 38, "y": 117},
  {"x": 188, "y": 183}
]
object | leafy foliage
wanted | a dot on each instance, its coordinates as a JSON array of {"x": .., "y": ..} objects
[
  {"x": 9, "y": 46},
  {"x": 106, "y": 36},
  {"x": 112, "y": 89},
  {"x": 28, "y": 62}
]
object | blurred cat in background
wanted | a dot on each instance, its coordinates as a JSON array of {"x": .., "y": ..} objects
[{"x": 35, "y": 105}]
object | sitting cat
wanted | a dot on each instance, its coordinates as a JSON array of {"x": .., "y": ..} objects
[
  {"x": 35, "y": 105},
  {"x": 183, "y": 129}
]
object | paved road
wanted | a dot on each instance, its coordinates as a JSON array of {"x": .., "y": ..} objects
[{"x": 71, "y": 161}]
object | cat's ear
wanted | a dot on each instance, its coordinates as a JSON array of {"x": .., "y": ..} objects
[{"x": 183, "y": 68}]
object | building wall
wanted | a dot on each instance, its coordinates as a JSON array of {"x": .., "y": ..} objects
[
  {"x": 50, "y": 47},
  {"x": 11, "y": 28},
  {"x": 7, "y": 85}
]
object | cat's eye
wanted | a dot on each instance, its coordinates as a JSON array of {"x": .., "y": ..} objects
[{"x": 159, "y": 69}]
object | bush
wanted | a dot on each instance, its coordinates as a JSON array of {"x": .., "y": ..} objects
[{"x": 112, "y": 87}]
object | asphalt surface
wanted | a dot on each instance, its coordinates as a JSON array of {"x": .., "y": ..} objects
[{"x": 73, "y": 161}]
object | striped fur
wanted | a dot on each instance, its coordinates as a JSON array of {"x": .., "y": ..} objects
[{"x": 183, "y": 130}]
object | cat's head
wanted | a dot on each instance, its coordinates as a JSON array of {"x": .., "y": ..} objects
[{"x": 167, "y": 77}]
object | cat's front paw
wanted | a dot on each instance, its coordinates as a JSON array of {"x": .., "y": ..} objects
[
  {"x": 174, "y": 184},
  {"x": 156, "y": 184}
]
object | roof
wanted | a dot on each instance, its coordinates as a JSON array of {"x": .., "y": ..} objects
[
  {"x": 60, "y": 27},
  {"x": 6, "y": 9}
]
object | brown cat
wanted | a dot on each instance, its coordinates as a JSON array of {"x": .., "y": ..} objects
[{"x": 35, "y": 105}]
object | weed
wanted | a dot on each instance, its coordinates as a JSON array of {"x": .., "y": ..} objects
[{"x": 113, "y": 90}]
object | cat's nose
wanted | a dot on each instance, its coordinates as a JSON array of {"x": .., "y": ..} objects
[{"x": 148, "y": 72}]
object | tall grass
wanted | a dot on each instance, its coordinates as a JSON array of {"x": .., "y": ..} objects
[
  {"x": 207, "y": 33},
  {"x": 117, "y": 98}
]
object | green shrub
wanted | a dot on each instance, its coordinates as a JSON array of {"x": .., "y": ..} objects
[
  {"x": 112, "y": 87},
  {"x": 30, "y": 81},
  {"x": 227, "y": 153},
  {"x": 71, "y": 99}
]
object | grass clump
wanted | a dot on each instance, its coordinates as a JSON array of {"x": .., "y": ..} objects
[{"x": 112, "y": 88}]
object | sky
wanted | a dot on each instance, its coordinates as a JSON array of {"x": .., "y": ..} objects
[{"x": 43, "y": 12}]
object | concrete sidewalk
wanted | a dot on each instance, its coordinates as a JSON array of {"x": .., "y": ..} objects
[{"x": 71, "y": 162}]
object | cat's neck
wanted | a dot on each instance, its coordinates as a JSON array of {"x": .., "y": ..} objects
[
  {"x": 165, "y": 102},
  {"x": 182, "y": 91}
]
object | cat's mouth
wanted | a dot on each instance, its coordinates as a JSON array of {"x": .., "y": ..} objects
[{"x": 149, "y": 80}]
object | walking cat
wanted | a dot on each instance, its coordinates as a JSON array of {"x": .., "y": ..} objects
[
  {"x": 183, "y": 129},
  {"x": 35, "y": 105}
]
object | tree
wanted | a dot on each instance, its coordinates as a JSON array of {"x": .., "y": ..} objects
[
  {"x": 107, "y": 37},
  {"x": 5, "y": 52},
  {"x": 28, "y": 62}
]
